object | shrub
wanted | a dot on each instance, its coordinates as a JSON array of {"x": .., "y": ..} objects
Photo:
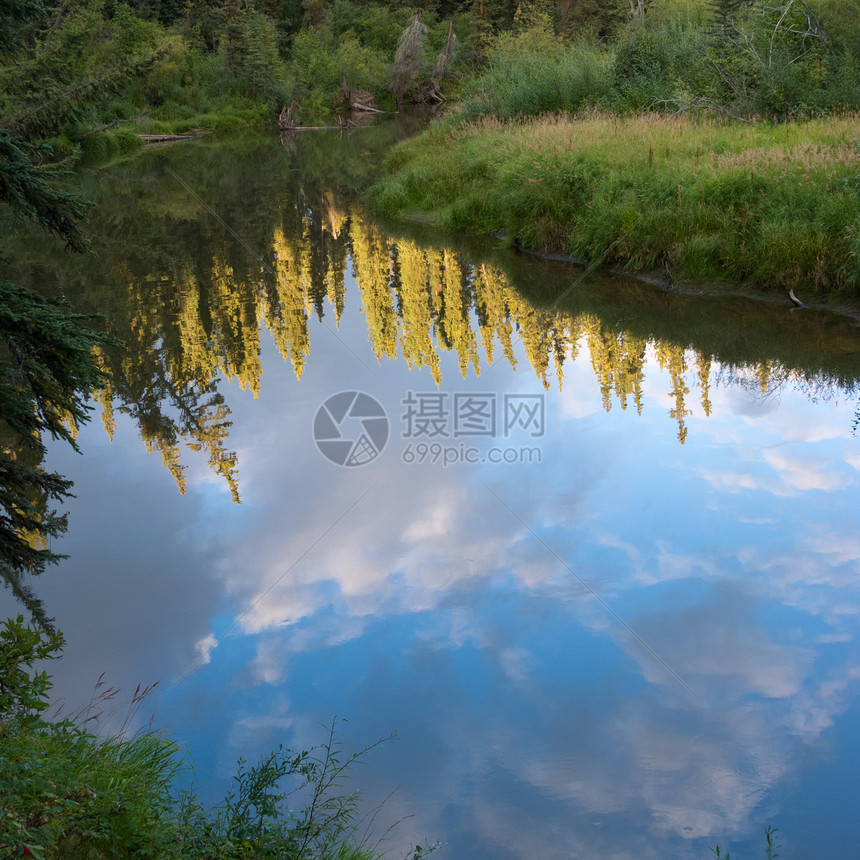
[
  {"x": 65, "y": 793},
  {"x": 534, "y": 74}
]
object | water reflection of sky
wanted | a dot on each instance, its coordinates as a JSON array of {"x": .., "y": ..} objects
[{"x": 632, "y": 649}]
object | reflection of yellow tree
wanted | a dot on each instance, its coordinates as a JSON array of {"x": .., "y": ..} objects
[
  {"x": 285, "y": 312},
  {"x": 618, "y": 359},
  {"x": 764, "y": 372},
  {"x": 187, "y": 328},
  {"x": 452, "y": 306},
  {"x": 165, "y": 377},
  {"x": 104, "y": 395},
  {"x": 672, "y": 357},
  {"x": 335, "y": 258},
  {"x": 703, "y": 365},
  {"x": 416, "y": 343},
  {"x": 494, "y": 318},
  {"x": 370, "y": 257},
  {"x": 237, "y": 335}
]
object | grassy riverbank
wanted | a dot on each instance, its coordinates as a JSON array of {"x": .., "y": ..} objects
[{"x": 772, "y": 206}]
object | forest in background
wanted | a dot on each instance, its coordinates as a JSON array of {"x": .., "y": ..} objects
[{"x": 86, "y": 74}]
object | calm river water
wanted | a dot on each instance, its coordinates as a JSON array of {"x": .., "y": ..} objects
[{"x": 596, "y": 562}]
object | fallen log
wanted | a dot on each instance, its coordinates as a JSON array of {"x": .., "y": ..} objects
[
  {"x": 795, "y": 300},
  {"x": 150, "y": 139}
]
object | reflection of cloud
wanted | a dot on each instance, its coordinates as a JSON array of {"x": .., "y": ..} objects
[
  {"x": 517, "y": 663},
  {"x": 789, "y": 474},
  {"x": 719, "y": 642},
  {"x": 804, "y": 472},
  {"x": 204, "y": 648}
]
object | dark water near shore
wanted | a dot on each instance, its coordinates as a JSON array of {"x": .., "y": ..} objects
[{"x": 601, "y": 573}]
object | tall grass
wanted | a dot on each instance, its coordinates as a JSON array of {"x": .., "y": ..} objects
[
  {"x": 773, "y": 206},
  {"x": 534, "y": 74}
]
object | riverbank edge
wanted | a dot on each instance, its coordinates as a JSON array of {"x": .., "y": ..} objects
[{"x": 704, "y": 289}]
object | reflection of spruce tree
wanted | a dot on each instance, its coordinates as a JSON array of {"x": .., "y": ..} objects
[
  {"x": 335, "y": 277},
  {"x": 492, "y": 290},
  {"x": 415, "y": 306},
  {"x": 672, "y": 357},
  {"x": 193, "y": 358},
  {"x": 335, "y": 256},
  {"x": 370, "y": 261},
  {"x": 704, "y": 367},
  {"x": 104, "y": 396},
  {"x": 763, "y": 373},
  {"x": 559, "y": 349},
  {"x": 536, "y": 332},
  {"x": 621, "y": 365},
  {"x": 312, "y": 279},
  {"x": 236, "y": 331},
  {"x": 286, "y": 312},
  {"x": 214, "y": 430},
  {"x": 634, "y": 368},
  {"x": 171, "y": 392},
  {"x": 602, "y": 347},
  {"x": 453, "y": 304}
]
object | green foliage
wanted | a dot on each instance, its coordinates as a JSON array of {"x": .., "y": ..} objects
[
  {"x": 26, "y": 188},
  {"x": 16, "y": 17},
  {"x": 255, "y": 816},
  {"x": 595, "y": 20},
  {"x": 46, "y": 372},
  {"x": 65, "y": 793},
  {"x": 325, "y": 64},
  {"x": 771, "y": 851},
  {"x": 261, "y": 67},
  {"x": 74, "y": 69},
  {"x": 47, "y": 369},
  {"x": 23, "y": 691},
  {"x": 534, "y": 73},
  {"x": 775, "y": 62},
  {"x": 651, "y": 64}
]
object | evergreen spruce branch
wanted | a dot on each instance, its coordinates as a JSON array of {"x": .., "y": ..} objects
[
  {"x": 53, "y": 107},
  {"x": 14, "y": 16},
  {"x": 48, "y": 369},
  {"x": 24, "y": 595},
  {"x": 25, "y": 188}
]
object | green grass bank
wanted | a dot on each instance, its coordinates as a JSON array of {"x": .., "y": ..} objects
[{"x": 770, "y": 206}]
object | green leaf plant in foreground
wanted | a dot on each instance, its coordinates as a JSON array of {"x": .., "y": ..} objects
[{"x": 67, "y": 793}]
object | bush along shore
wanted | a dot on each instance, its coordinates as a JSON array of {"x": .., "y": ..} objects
[
  {"x": 68, "y": 794},
  {"x": 774, "y": 206}
]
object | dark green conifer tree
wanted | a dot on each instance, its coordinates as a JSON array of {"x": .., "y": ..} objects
[{"x": 47, "y": 366}]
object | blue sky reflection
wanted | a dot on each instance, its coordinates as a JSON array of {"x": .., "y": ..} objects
[{"x": 532, "y": 722}]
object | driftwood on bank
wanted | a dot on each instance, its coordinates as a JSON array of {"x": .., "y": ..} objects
[
  {"x": 351, "y": 99},
  {"x": 362, "y": 102},
  {"x": 288, "y": 119},
  {"x": 155, "y": 139},
  {"x": 348, "y": 125},
  {"x": 795, "y": 300}
]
